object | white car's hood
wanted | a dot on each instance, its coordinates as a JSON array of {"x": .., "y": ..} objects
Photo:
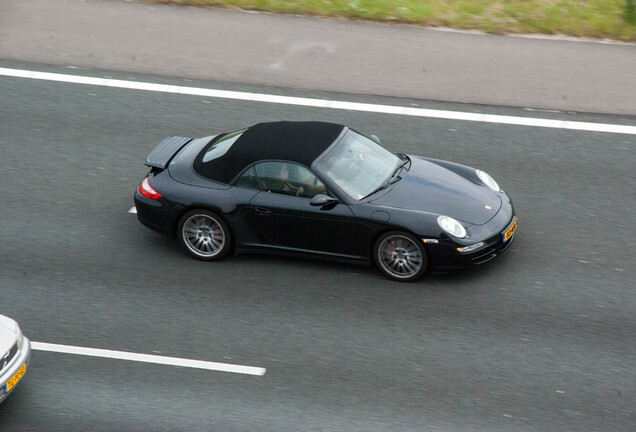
[{"x": 7, "y": 334}]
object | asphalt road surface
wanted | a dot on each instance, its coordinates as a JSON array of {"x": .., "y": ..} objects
[
  {"x": 541, "y": 339},
  {"x": 318, "y": 54}
]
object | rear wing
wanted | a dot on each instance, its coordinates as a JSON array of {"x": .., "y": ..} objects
[{"x": 161, "y": 156}]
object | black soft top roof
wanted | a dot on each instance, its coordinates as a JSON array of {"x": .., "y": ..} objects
[{"x": 300, "y": 142}]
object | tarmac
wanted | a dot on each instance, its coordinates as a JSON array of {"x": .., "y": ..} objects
[{"x": 544, "y": 73}]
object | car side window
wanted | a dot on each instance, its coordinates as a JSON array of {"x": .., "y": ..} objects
[
  {"x": 248, "y": 180},
  {"x": 288, "y": 178}
]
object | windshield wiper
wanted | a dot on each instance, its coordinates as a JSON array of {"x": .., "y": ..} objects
[
  {"x": 378, "y": 189},
  {"x": 405, "y": 158},
  {"x": 394, "y": 177},
  {"x": 398, "y": 169}
]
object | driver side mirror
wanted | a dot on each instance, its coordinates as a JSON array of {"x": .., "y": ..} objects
[
  {"x": 322, "y": 200},
  {"x": 376, "y": 139}
]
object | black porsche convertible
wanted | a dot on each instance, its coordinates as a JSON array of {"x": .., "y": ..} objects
[{"x": 323, "y": 190}]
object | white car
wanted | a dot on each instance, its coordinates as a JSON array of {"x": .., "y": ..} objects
[{"x": 15, "y": 353}]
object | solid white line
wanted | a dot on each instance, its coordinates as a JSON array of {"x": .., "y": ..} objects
[
  {"x": 133, "y": 210},
  {"x": 147, "y": 358},
  {"x": 321, "y": 103}
]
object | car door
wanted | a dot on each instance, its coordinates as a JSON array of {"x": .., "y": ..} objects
[{"x": 282, "y": 211}]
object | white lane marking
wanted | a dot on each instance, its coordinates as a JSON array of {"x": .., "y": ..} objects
[
  {"x": 322, "y": 103},
  {"x": 147, "y": 358},
  {"x": 133, "y": 210}
]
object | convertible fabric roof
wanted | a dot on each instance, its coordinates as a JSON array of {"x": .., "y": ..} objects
[{"x": 300, "y": 142}]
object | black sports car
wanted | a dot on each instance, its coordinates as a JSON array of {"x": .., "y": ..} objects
[{"x": 323, "y": 190}]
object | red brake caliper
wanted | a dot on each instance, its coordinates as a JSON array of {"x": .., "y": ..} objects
[{"x": 389, "y": 250}]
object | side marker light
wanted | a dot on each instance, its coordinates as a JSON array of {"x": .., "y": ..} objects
[{"x": 470, "y": 248}]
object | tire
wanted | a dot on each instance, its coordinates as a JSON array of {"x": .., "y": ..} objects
[
  {"x": 400, "y": 256},
  {"x": 204, "y": 235}
]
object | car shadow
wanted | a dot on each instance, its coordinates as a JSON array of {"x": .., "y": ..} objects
[{"x": 168, "y": 248}]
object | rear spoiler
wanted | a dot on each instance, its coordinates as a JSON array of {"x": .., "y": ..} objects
[{"x": 165, "y": 151}]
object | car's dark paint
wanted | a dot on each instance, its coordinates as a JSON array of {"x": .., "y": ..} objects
[
  {"x": 429, "y": 186},
  {"x": 181, "y": 165},
  {"x": 162, "y": 154},
  {"x": 340, "y": 228},
  {"x": 292, "y": 222}
]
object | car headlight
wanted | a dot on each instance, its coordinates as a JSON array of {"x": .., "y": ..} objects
[
  {"x": 488, "y": 181},
  {"x": 19, "y": 335},
  {"x": 451, "y": 226}
]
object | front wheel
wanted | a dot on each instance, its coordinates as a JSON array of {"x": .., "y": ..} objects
[
  {"x": 204, "y": 235},
  {"x": 400, "y": 256}
]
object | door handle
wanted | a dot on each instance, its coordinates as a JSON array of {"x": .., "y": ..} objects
[{"x": 262, "y": 211}]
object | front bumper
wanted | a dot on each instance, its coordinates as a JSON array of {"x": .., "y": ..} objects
[
  {"x": 447, "y": 258},
  {"x": 8, "y": 375}
]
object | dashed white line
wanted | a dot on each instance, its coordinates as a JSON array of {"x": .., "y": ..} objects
[
  {"x": 147, "y": 358},
  {"x": 133, "y": 210},
  {"x": 322, "y": 103}
]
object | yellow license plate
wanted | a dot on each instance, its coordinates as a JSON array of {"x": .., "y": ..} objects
[
  {"x": 14, "y": 380},
  {"x": 510, "y": 231}
]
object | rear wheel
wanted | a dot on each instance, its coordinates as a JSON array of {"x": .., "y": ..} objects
[
  {"x": 400, "y": 256},
  {"x": 204, "y": 235}
]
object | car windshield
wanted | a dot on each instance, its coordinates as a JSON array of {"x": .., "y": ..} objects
[{"x": 358, "y": 165}]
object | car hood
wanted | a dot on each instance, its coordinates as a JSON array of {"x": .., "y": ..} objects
[
  {"x": 434, "y": 189},
  {"x": 7, "y": 334}
]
